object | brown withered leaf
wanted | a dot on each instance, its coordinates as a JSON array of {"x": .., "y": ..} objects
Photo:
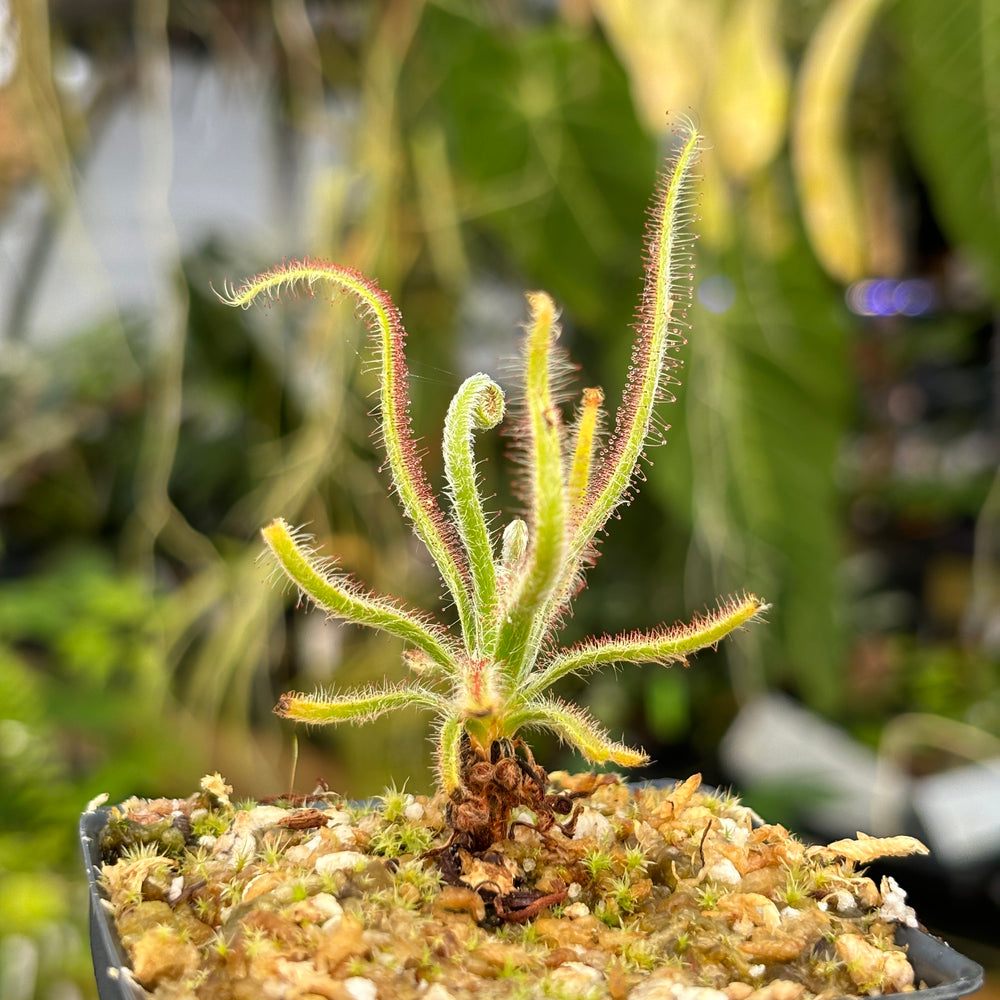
[
  {"x": 304, "y": 819},
  {"x": 866, "y": 849}
]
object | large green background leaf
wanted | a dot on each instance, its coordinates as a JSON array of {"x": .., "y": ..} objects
[{"x": 950, "y": 82}]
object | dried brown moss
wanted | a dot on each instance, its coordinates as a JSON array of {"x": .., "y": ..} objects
[{"x": 658, "y": 892}]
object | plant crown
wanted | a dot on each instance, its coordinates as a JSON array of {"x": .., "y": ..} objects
[{"x": 511, "y": 593}]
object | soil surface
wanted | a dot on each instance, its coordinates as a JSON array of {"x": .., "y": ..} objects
[{"x": 642, "y": 894}]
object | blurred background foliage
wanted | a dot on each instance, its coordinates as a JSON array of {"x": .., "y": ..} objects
[{"x": 835, "y": 439}]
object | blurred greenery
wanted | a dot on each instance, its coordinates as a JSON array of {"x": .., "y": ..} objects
[
  {"x": 840, "y": 462},
  {"x": 948, "y": 98}
]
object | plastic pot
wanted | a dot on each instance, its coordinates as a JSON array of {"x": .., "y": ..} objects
[{"x": 948, "y": 973}]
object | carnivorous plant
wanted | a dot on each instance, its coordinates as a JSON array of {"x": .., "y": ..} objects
[{"x": 511, "y": 589}]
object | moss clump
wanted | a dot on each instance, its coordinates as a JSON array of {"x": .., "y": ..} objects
[{"x": 652, "y": 890}]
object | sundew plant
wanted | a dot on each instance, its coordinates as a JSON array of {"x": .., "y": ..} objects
[{"x": 511, "y": 588}]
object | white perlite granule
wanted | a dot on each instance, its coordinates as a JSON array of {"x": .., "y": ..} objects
[{"x": 894, "y": 908}]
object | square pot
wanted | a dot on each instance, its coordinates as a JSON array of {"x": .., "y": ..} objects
[{"x": 948, "y": 973}]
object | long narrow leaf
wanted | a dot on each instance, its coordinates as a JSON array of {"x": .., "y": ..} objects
[
  {"x": 342, "y": 598},
  {"x": 667, "y": 282},
  {"x": 584, "y": 438},
  {"x": 324, "y": 708},
  {"x": 666, "y": 644},
  {"x": 547, "y": 525},
  {"x": 478, "y": 405},
  {"x": 408, "y": 476},
  {"x": 449, "y": 753},
  {"x": 575, "y": 726},
  {"x": 667, "y": 273}
]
